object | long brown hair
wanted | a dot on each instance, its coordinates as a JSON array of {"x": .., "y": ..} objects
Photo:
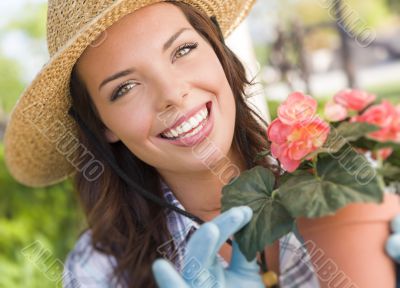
[{"x": 124, "y": 224}]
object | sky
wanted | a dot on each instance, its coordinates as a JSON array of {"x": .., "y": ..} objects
[
  {"x": 16, "y": 45},
  {"x": 10, "y": 8}
]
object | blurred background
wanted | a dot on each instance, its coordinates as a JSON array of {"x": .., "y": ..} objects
[{"x": 316, "y": 46}]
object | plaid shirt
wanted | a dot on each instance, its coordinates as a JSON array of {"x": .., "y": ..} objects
[{"x": 88, "y": 268}]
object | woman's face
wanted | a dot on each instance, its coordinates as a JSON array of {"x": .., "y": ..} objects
[{"x": 142, "y": 81}]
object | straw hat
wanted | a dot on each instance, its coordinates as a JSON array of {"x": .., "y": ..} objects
[{"x": 41, "y": 144}]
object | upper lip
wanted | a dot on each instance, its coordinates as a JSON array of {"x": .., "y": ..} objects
[{"x": 185, "y": 117}]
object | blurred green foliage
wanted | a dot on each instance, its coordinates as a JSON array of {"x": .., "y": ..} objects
[
  {"x": 11, "y": 85},
  {"x": 50, "y": 216},
  {"x": 38, "y": 227},
  {"x": 370, "y": 13}
]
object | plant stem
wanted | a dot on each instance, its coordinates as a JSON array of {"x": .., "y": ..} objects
[
  {"x": 314, "y": 165},
  {"x": 274, "y": 193}
]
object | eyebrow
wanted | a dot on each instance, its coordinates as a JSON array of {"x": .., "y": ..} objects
[
  {"x": 166, "y": 46},
  {"x": 173, "y": 38}
]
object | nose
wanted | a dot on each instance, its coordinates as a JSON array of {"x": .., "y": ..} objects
[{"x": 171, "y": 89}]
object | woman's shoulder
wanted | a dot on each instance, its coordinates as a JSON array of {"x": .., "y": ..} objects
[{"x": 87, "y": 267}]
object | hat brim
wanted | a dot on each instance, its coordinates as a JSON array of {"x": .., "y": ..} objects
[{"x": 41, "y": 139}]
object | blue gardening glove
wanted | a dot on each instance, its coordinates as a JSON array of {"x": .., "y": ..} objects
[
  {"x": 201, "y": 266},
  {"x": 393, "y": 245}
]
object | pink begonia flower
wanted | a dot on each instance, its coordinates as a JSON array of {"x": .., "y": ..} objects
[
  {"x": 354, "y": 99},
  {"x": 385, "y": 116},
  {"x": 335, "y": 112},
  {"x": 280, "y": 151},
  {"x": 278, "y": 132},
  {"x": 382, "y": 154},
  {"x": 291, "y": 144},
  {"x": 396, "y": 124},
  {"x": 297, "y": 107}
]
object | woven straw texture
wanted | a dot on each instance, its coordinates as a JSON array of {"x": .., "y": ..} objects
[{"x": 41, "y": 144}]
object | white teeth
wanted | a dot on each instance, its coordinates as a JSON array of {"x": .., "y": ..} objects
[
  {"x": 193, "y": 123},
  {"x": 188, "y": 125},
  {"x": 179, "y": 130},
  {"x": 194, "y": 131},
  {"x": 199, "y": 117},
  {"x": 174, "y": 133},
  {"x": 201, "y": 114}
]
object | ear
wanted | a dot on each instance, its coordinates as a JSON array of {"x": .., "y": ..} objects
[{"x": 110, "y": 136}]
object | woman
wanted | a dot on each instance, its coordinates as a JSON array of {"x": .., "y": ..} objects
[{"x": 151, "y": 87}]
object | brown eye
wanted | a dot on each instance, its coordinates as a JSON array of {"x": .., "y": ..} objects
[
  {"x": 123, "y": 89},
  {"x": 185, "y": 49}
]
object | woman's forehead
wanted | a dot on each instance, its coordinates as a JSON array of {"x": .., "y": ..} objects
[{"x": 146, "y": 29}]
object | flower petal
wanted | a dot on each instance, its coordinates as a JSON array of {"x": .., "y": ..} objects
[{"x": 297, "y": 107}]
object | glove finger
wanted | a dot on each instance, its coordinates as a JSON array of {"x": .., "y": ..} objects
[
  {"x": 393, "y": 247},
  {"x": 239, "y": 263},
  {"x": 395, "y": 224},
  {"x": 200, "y": 249},
  {"x": 205, "y": 243},
  {"x": 166, "y": 276},
  {"x": 230, "y": 222}
]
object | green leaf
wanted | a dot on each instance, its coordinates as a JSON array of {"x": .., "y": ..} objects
[
  {"x": 390, "y": 172},
  {"x": 394, "y": 159},
  {"x": 270, "y": 220},
  {"x": 347, "y": 132},
  {"x": 353, "y": 131},
  {"x": 343, "y": 178}
]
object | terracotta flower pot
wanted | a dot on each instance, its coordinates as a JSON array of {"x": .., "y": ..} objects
[{"x": 348, "y": 248}]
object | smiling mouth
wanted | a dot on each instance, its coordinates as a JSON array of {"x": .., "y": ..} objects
[{"x": 202, "y": 116}]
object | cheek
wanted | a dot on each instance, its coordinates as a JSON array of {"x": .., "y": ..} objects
[
  {"x": 209, "y": 70},
  {"x": 131, "y": 125}
]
